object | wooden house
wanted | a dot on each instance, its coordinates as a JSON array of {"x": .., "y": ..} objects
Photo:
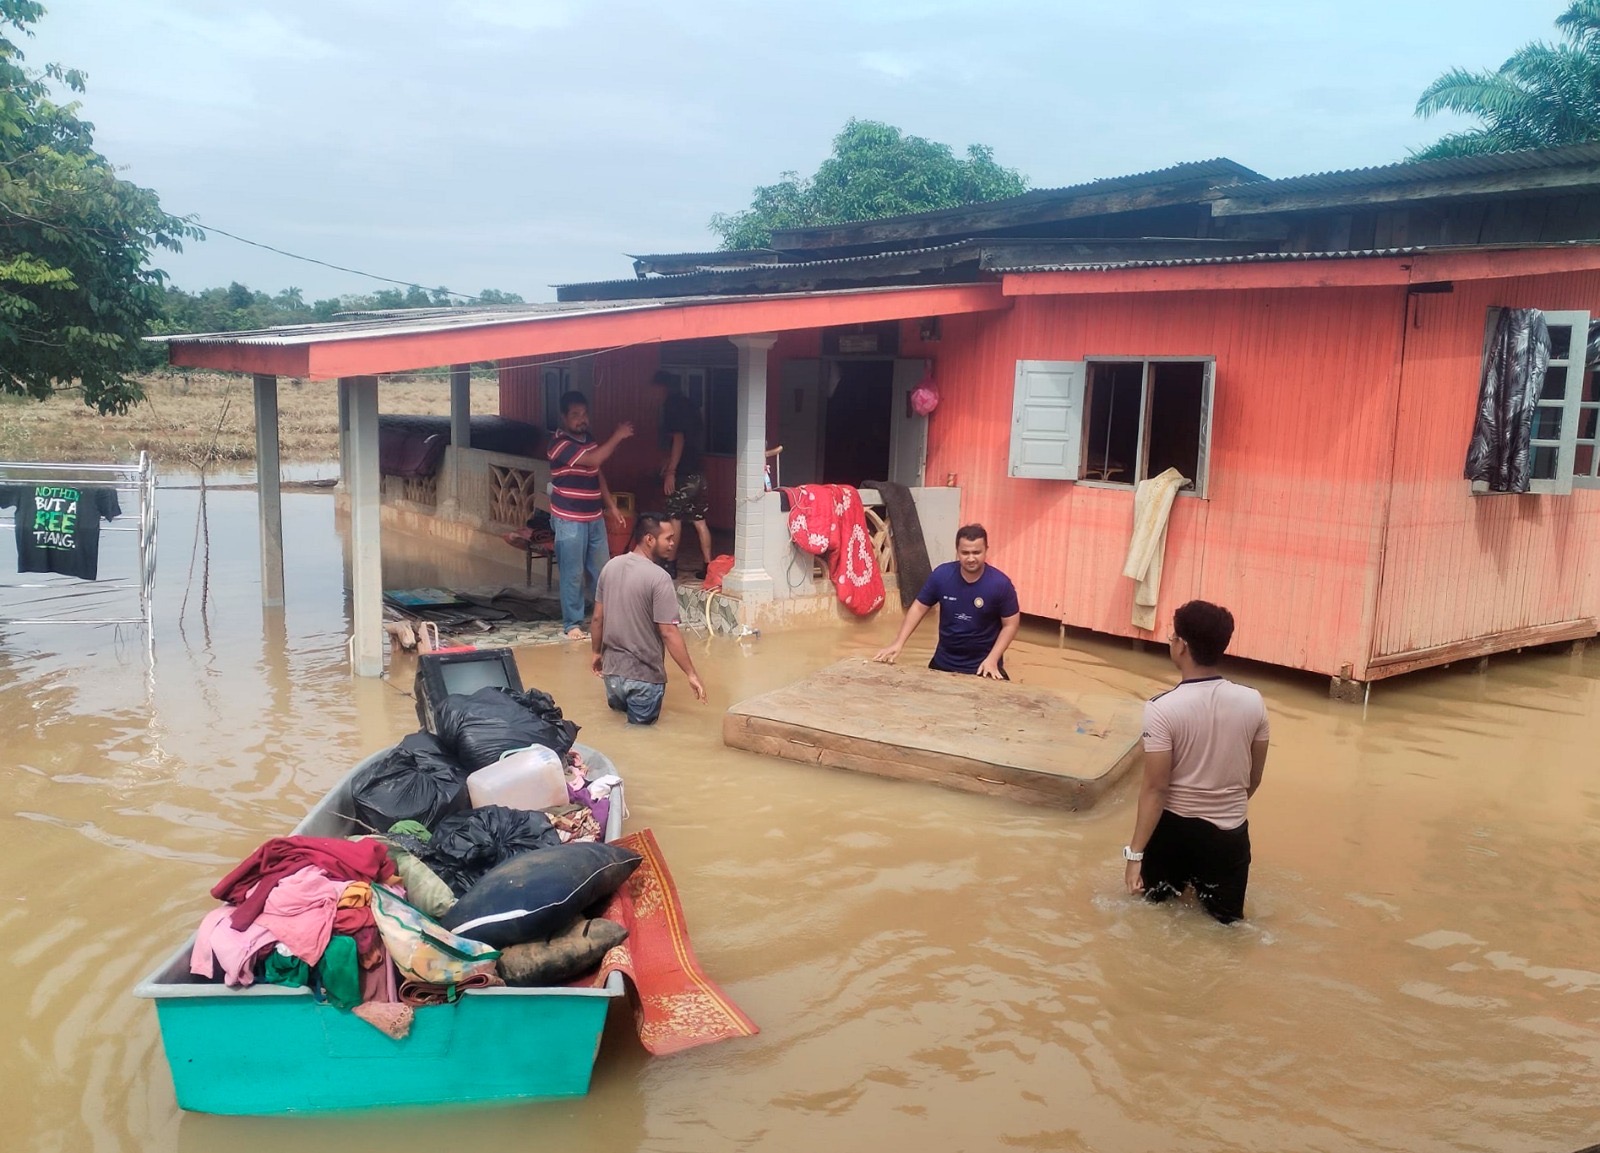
[{"x": 1308, "y": 352}]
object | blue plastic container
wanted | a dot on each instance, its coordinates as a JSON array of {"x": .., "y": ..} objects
[{"x": 267, "y": 1049}]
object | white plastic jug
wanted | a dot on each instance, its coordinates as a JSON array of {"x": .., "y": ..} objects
[{"x": 531, "y": 778}]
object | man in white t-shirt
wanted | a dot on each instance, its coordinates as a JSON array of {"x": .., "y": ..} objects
[{"x": 1205, "y": 748}]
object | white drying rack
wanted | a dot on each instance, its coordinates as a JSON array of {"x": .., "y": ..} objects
[{"x": 137, "y": 479}]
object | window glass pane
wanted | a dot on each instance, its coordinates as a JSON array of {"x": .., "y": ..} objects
[
  {"x": 1555, "y": 383},
  {"x": 556, "y": 382},
  {"x": 1591, "y": 385},
  {"x": 1544, "y": 463},
  {"x": 1111, "y": 429},
  {"x": 1583, "y": 463},
  {"x": 1177, "y": 396},
  {"x": 1560, "y": 341},
  {"x": 1587, "y": 420},
  {"x": 1547, "y": 422}
]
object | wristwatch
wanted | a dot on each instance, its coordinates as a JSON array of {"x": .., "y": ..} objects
[{"x": 1129, "y": 855}]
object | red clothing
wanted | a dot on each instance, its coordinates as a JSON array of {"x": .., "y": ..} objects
[
  {"x": 281, "y": 856},
  {"x": 828, "y": 518}
]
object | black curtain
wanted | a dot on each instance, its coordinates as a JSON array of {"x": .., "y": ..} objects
[{"x": 1513, "y": 373}]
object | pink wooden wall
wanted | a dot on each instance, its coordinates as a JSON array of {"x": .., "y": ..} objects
[
  {"x": 1289, "y": 538},
  {"x": 621, "y": 391},
  {"x": 1458, "y": 566}
]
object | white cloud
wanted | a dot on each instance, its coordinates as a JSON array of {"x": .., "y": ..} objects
[
  {"x": 250, "y": 35},
  {"x": 517, "y": 15},
  {"x": 892, "y": 65}
]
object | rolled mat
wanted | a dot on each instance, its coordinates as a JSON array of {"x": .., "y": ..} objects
[
  {"x": 421, "y": 993},
  {"x": 675, "y": 1005}
]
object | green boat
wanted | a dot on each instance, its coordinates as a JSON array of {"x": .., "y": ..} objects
[{"x": 266, "y": 1049}]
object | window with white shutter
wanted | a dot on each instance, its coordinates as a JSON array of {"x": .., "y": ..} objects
[
  {"x": 1113, "y": 421},
  {"x": 1047, "y": 420}
]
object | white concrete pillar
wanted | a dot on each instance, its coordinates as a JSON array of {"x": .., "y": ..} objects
[
  {"x": 269, "y": 489},
  {"x": 461, "y": 405},
  {"x": 362, "y": 481},
  {"x": 749, "y": 578}
]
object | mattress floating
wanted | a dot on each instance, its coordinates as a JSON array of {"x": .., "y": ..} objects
[{"x": 981, "y": 736}]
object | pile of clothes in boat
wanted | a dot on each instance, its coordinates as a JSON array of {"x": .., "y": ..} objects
[{"x": 433, "y": 894}]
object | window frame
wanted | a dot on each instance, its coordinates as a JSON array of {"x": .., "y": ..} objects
[
  {"x": 1572, "y": 405},
  {"x": 695, "y": 380},
  {"x": 564, "y": 379},
  {"x": 1200, "y": 486}
]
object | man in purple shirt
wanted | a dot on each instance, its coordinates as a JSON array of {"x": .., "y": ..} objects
[{"x": 978, "y": 613}]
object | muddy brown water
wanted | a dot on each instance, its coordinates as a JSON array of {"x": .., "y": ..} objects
[{"x": 930, "y": 970}]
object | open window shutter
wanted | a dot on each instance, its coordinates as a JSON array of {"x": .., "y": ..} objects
[
  {"x": 1578, "y": 323},
  {"x": 1208, "y": 404},
  {"x": 1047, "y": 419}
]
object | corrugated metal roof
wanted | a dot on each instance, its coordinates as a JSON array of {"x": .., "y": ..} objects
[
  {"x": 1283, "y": 257},
  {"x": 718, "y": 254},
  {"x": 1218, "y": 169},
  {"x": 1178, "y": 262},
  {"x": 1414, "y": 171},
  {"x": 388, "y": 323},
  {"x": 781, "y": 266},
  {"x": 410, "y": 322}
]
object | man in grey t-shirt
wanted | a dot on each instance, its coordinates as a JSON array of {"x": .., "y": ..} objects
[{"x": 636, "y": 624}]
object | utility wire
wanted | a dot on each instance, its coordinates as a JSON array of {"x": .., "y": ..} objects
[{"x": 325, "y": 264}]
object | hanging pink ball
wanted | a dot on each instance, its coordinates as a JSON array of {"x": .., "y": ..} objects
[{"x": 925, "y": 398}]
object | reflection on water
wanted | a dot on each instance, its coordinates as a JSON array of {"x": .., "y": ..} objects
[{"x": 928, "y": 968}]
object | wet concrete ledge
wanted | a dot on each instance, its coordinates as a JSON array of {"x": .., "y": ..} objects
[{"x": 980, "y": 736}]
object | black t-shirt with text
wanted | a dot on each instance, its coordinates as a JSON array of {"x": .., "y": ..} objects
[{"x": 58, "y": 526}]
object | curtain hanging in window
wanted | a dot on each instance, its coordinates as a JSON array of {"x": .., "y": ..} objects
[{"x": 1513, "y": 374}]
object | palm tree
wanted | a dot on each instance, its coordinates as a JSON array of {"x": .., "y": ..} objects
[{"x": 1545, "y": 95}]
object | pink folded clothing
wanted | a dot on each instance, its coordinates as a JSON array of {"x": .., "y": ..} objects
[
  {"x": 217, "y": 942},
  {"x": 300, "y": 910},
  {"x": 252, "y": 879}
]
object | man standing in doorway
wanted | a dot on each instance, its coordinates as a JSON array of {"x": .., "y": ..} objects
[
  {"x": 978, "y": 613},
  {"x": 578, "y": 493},
  {"x": 683, "y": 452},
  {"x": 1205, "y": 748},
  {"x": 636, "y": 624}
]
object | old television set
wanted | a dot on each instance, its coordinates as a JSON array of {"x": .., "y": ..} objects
[{"x": 461, "y": 671}]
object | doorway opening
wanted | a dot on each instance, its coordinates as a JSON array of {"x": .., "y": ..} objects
[{"x": 855, "y": 441}]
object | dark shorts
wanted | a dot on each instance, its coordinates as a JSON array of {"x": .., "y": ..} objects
[
  {"x": 942, "y": 668},
  {"x": 1186, "y": 851},
  {"x": 688, "y": 501}
]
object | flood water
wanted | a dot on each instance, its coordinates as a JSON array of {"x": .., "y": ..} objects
[{"x": 930, "y": 970}]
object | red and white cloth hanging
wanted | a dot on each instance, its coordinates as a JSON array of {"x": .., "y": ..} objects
[{"x": 828, "y": 519}]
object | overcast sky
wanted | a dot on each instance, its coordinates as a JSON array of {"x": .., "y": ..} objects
[{"x": 516, "y": 144}]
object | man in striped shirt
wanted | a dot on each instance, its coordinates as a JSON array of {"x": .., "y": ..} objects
[{"x": 579, "y": 499}]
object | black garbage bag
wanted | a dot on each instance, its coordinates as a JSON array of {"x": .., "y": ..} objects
[
  {"x": 467, "y": 845},
  {"x": 417, "y": 781},
  {"x": 479, "y": 727},
  {"x": 537, "y": 895}
]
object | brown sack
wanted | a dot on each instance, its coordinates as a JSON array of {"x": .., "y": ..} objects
[{"x": 563, "y": 957}]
